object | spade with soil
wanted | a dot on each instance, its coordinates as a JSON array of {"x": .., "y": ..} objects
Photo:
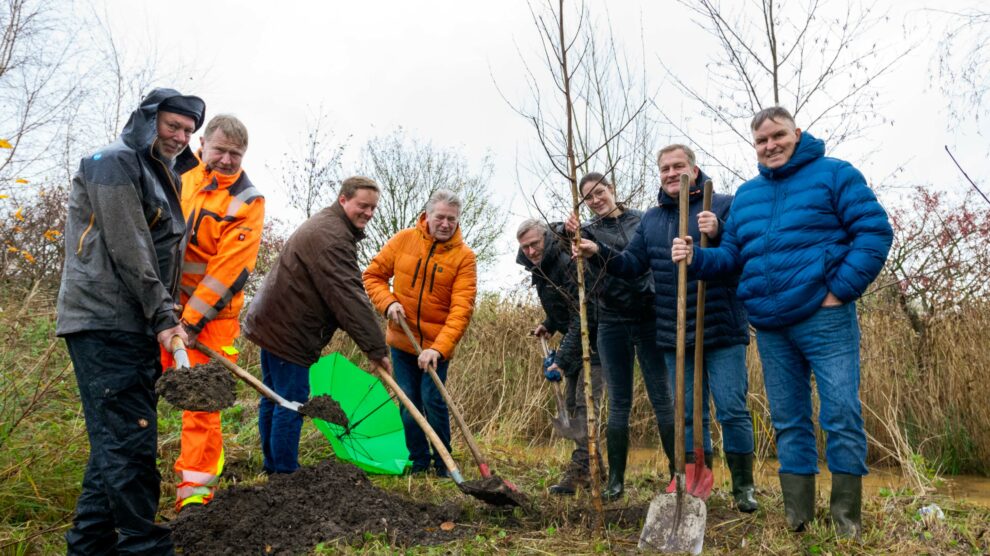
[
  {"x": 676, "y": 522},
  {"x": 206, "y": 387},
  {"x": 562, "y": 423},
  {"x": 319, "y": 408},
  {"x": 492, "y": 488}
]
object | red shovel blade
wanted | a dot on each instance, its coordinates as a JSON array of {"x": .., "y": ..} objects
[{"x": 698, "y": 477}]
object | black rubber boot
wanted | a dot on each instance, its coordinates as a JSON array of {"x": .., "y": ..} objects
[
  {"x": 618, "y": 450},
  {"x": 799, "y": 500},
  {"x": 846, "y": 504},
  {"x": 741, "y": 469},
  {"x": 667, "y": 441}
]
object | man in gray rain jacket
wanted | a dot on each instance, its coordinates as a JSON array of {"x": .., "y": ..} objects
[{"x": 124, "y": 238}]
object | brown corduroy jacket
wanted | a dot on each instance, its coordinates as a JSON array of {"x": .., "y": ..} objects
[{"x": 315, "y": 288}]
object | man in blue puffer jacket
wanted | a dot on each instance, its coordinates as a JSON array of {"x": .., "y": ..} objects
[{"x": 809, "y": 236}]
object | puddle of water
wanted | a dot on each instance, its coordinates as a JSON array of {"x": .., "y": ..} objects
[{"x": 973, "y": 489}]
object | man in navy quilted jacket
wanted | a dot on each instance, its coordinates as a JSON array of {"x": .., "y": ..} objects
[{"x": 808, "y": 236}]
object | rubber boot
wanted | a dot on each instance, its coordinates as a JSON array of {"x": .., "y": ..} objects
[
  {"x": 618, "y": 451},
  {"x": 741, "y": 469},
  {"x": 799, "y": 500},
  {"x": 846, "y": 504}
]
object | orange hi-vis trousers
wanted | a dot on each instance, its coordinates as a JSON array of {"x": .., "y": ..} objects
[{"x": 201, "y": 454}]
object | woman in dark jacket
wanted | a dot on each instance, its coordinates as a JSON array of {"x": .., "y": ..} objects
[{"x": 626, "y": 329}]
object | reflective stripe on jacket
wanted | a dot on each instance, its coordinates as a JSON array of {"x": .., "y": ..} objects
[
  {"x": 224, "y": 217},
  {"x": 435, "y": 282}
]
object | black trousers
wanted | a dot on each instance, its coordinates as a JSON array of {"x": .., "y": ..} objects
[{"x": 115, "y": 514}]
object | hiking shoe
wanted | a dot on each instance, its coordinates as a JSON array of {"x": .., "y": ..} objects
[{"x": 574, "y": 478}]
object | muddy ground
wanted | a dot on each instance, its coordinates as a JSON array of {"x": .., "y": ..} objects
[
  {"x": 326, "y": 408},
  {"x": 293, "y": 513},
  {"x": 207, "y": 387}
]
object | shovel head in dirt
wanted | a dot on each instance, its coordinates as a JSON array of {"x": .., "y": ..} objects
[{"x": 674, "y": 526}]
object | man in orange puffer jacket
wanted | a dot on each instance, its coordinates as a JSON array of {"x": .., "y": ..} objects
[
  {"x": 224, "y": 215},
  {"x": 434, "y": 287}
]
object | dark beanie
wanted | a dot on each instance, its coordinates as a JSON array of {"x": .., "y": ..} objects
[{"x": 186, "y": 105}]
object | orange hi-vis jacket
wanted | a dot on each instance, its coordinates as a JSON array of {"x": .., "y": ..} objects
[
  {"x": 436, "y": 283},
  {"x": 224, "y": 217}
]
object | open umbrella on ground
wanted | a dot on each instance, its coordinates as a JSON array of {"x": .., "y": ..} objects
[{"x": 374, "y": 439}]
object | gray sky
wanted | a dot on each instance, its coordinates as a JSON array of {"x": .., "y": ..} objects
[{"x": 431, "y": 66}]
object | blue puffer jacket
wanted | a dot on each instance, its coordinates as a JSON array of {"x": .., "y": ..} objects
[
  {"x": 725, "y": 318},
  {"x": 798, "y": 232}
]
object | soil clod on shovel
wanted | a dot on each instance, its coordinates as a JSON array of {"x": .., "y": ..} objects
[
  {"x": 494, "y": 490},
  {"x": 326, "y": 408},
  {"x": 207, "y": 387}
]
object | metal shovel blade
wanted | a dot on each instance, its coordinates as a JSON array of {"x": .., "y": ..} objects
[
  {"x": 562, "y": 423},
  {"x": 674, "y": 526}
]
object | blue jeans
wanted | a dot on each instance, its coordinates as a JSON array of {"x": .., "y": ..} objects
[
  {"x": 115, "y": 513},
  {"x": 279, "y": 427},
  {"x": 420, "y": 389},
  {"x": 726, "y": 379},
  {"x": 618, "y": 343},
  {"x": 826, "y": 344}
]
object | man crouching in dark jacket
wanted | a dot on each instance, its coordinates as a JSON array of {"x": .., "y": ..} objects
[
  {"x": 546, "y": 254},
  {"x": 124, "y": 237},
  {"x": 314, "y": 288}
]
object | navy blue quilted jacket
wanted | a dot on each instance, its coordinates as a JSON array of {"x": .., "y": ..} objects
[
  {"x": 798, "y": 232},
  {"x": 649, "y": 249}
]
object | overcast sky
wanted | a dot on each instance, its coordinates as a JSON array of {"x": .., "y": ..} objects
[{"x": 431, "y": 66}]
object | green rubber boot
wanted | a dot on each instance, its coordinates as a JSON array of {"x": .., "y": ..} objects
[
  {"x": 846, "y": 504},
  {"x": 799, "y": 500},
  {"x": 741, "y": 469},
  {"x": 618, "y": 451}
]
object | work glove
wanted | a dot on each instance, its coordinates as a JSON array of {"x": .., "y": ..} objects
[{"x": 553, "y": 375}]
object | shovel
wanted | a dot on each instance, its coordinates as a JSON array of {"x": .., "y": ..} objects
[
  {"x": 179, "y": 353},
  {"x": 699, "y": 477},
  {"x": 510, "y": 493},
  {"x": 574, "y": 430},
  {"x": 494, "y": 497},
  {"x": 675, "y": 521},
  {"x": 249, "y": 378}
]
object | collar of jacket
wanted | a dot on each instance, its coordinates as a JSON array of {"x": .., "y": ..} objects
[
  {"x": 215, "y": 180},
  {"x": 455, "y": 240},
  {"x": 808, "y": 149},
  {"x": 336, "y": 209},
  {"x": 695, "y": 192}
]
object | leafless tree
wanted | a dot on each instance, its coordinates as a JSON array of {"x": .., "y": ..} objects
[
  {"x": 311, "y": 180},
  {"x": 819, "y": 59},
  {"x": 964, "y": 62},
  {"x": 611, "y": 99},
  {"x": 409, "y": 171}
]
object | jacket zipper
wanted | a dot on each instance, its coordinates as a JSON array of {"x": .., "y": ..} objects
[
  {"x": 92, "y": 218},
  {"x": 422, "y": 287},
  {"x": 177, "y": 273},
  {"x": 416, "y": 273},
  {"x": 157, "y": 217}
]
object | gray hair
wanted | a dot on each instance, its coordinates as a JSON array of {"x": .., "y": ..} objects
[
  {"x": 531, "y": 224},
  {"x": 774, "y": 113},
  {"x": 444, "y": 196}
]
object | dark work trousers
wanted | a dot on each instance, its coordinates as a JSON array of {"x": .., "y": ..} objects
[
  {"x": 115, "y": 513},
  {"x": 577, "y": 407}
]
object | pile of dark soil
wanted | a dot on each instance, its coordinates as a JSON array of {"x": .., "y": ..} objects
[
  {"x": 326, "y": 408},
  {"x": 293, "y": 513},
  {"x": 208, "y": 387}
]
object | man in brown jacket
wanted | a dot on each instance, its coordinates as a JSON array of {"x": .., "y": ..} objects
[{"x": 314, "y": 289}]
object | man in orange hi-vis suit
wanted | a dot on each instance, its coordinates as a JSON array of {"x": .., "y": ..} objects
[{"x": 224, "y": 218}]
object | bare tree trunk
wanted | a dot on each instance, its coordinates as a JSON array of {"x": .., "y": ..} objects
[{"x": 589, "y": 397}]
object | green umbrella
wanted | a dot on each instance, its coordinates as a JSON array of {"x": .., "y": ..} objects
[{"x": 374, "y": 439}]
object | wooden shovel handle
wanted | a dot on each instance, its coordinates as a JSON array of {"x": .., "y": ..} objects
[
  {"x": 247, "y": 377},
  {"x": 179, "y": 353},
  {"x": 683, "y": 207},
  {"x": 389, "y": 382},
  {"x": 454, "y": 410},
  {"x": 699, "y": 340}
]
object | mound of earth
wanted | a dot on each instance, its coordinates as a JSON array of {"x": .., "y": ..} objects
[
  {"x": 326, "y": 408},
  {"x": 293, "y": 513},
  {"x": 207, "y": 387}
]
